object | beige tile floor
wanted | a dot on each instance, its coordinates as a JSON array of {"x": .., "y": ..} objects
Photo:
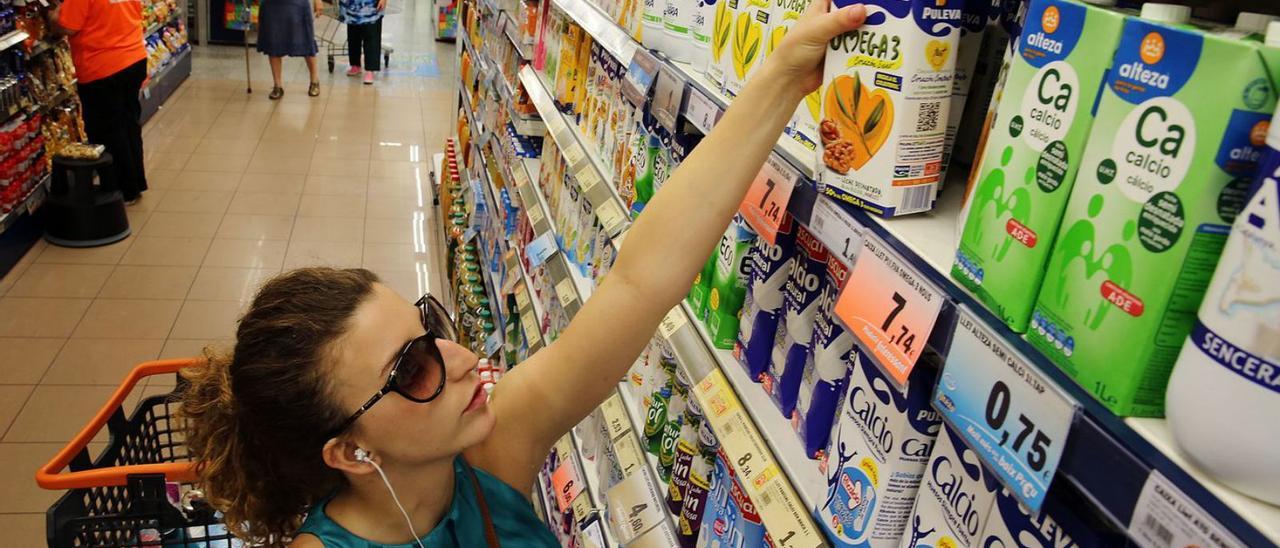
[{"x": 241, "y": 188}]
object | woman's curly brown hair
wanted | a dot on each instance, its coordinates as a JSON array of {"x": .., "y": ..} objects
[{"x": 256, "y": 418}]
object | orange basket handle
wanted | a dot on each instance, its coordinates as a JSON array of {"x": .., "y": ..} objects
[{"x": 50, "y": 477}]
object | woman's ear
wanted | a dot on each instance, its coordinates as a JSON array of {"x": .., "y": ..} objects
[{"x": 341, "y": 455}]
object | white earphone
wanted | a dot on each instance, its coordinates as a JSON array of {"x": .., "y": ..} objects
[{"x": 364, "y": 456}]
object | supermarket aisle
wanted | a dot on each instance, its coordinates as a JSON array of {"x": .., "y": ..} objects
[{"x": 242, "y": 187}]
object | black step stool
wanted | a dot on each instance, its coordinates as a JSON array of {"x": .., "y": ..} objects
[{"x": 85, "y": 207}]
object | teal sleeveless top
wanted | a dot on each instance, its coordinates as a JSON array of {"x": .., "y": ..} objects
[{"x": 463, "y": 525}]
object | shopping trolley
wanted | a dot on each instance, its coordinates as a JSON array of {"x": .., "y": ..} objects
[
  {"x": 327, "y": 36},
  {"x": 139, "y": 491}
]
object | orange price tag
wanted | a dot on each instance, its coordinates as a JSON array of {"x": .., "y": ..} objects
[
  {"x": 566, "y": 483},
  {"x": 889, "y": 307},
  {"x": 766, "y": 203}
]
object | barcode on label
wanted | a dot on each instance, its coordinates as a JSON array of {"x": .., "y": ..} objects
[
  {"x": 729, "y": 429},
  {"x": 927, "y": 120},
  {"x": 916, "y": 198},
  {"x": 819, "y": 221},
  {"x": 1159, "y": 530},
  {"x": 766, "y": 497}
]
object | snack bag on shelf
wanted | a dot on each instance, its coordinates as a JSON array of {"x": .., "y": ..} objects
[
  {"x": 1033, "y": 153},
  {"x": 729, "y": 283},
  {"x": 886, "y": 98},
  {"x": 953, "y": 504},
  {"x": 826, "y": 371},
  {"x": 877, "y": 454},
  {"x": 1179, "y": 129},
  {"x": 747, "y": 42},
  {"x": 805, "y": 284}
]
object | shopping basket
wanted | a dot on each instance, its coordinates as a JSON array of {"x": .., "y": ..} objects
[{"x": 137, "y": 492}]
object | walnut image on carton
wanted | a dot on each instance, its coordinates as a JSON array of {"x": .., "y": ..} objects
[{"x": 886, "y": 100}]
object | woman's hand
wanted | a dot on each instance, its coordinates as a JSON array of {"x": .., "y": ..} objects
[
  {"x": 797, "y": 62},
  {"x": 318, "y": 7},
  {"x": 382, "y": 6}
]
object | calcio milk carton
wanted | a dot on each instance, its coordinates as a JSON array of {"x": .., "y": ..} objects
[
  {"x": 762, "y": 305},
  {"x": 1178, "y": 132},
  {"x": 729, "y": 283},
  {"x": 955, "y": 500},
  {"x": 886, "y": 99},
  {"x": 827, "y": 368},
  {"x": 1033, "y": 153},
  {"x": 877, "y": 456},
  {"x": 746, "y": 49},
  {"x": 795, "y": 328}
]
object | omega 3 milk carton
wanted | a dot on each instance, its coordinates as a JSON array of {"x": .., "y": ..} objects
[
  {"x": 952, "y": 506},
  {"x": 762, "y": 304},
  {"x": 886, "y": 99},
  {"x": 877, "y": 456},
  {"x": 1033, "y": 153},
  {"x": 795, "y": 329},
  {"x": 1178, "y": 132}
]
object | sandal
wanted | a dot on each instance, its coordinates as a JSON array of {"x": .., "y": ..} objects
[
  {"x": 314, "y": 90},
  {"x": 276, "y": 93}
]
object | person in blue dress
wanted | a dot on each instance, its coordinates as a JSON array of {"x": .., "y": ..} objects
[
  {"x": 287, "y": 28},
  {"x": 347, "y": 416},
  {"x": 364, "y": 35}
]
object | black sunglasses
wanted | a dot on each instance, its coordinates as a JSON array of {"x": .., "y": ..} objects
[{"x": 418, "y": 373}]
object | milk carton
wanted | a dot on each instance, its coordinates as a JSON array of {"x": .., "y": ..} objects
[
  {"x": 975, "y": 17},
  {"x": 795, "y": 330},
  {"x": 702, "y": 30},
  {"x": 886, "y": 99},
  {"x": 953, "y": 504},
  {"x": 730, "y": 520},
  {"x": 677, "y": 23},
  {"x": 746, "y": 49},
  {"x": 803, "y": 127},
  {"x": 1060, "y": 523},
  {"x": 1033, "y": 153},
  {"x": 1229, "y": 368},
  {"x": 826, "y": 370},
  {"x": 721, "y": 21},
  {"x": 729, "y": 283},
  {"x": 697, "y": 298},
  {"x": 989, "y": 70},
  {"x": 1177, "y": 136},
  {"x": 762, "y": 303},
  {"x": 877, "y": 456}
]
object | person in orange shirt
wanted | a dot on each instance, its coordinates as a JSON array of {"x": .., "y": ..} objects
[{"x": 111, "y": 65}]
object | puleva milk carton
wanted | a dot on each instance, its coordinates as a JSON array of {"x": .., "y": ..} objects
[
  {"x": 827, "y": 368},
  {"x": 762, "y": 304},
  {"x": 795, "y": 329},
  {"x": 975, "y": 17},
  {"x": 953, "y": 504},
  {"x": 1033, "y": 153},
  {"x": 1229, "y": 368},
  {"x": 877, "y": 456},
  {"x": 1178, "y": 132},
  {"x": 1059, "y": 524},
  {"x": 729, "y": 283},
  {"x": 886, "y": 99},
  {"x": 751, "y": 25},
  {"x": 803, "y": 127}
]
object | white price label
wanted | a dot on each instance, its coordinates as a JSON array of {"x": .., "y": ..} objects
[
  {"x": 518, "y": 173},
  {"x": 1165, "y": 516},
  {"x": 574, "y": 154},
  {"x": 672, "y": 322},
  {"x": 611, "y": 217},
  {"x": 836, "y": 229},
  {"x": 1015, "y": 419},
  {"x": 522, "y": 298},
  {"x": 541, "y": 249},
  {"x": 565, "y": 291},
  {"x": 661, "y": 536},
  {"x": 631, "y": 459},
  {"x": 534, "y": 211},
  {"x": 615, "y": 416},
  {"x": 588, "y": 178},
  {"x": 702, "y": 112},
  {"x": 634, "y": 507}
]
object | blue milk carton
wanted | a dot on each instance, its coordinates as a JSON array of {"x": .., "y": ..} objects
[
  {"x": 1059, "y": 524},
  {"x": 953, "y": 504},
  {"x": 795, "y": 329},
  {"x": 826, "y": 372},
  {"x": 762, "y": 304},
  {"x": 878, "y": 452}
]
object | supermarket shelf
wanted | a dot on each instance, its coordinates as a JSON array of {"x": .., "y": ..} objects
[
  {"x": 12, "y": 38},
  {"x": 164, "y": 83},
  {"x": 509, "y": 27},
  {"x": 591, "y": 472},
  {"x": 154, "y": 28},
  {"x": 30, "y": 203},
  {"x": 41, "y": 47},
  {"x": 601, "y": 27}
]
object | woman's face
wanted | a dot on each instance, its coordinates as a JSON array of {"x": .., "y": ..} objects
[{"x": 396, "y": 429}]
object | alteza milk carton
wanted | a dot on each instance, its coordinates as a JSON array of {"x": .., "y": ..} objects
[
  {"x": 1033, "y": 153},
  {"x": 1178, "y": 133},
  {"x": 885, "y": 102}
]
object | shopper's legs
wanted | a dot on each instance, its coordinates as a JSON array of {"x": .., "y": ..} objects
[
  {"x": 130, "y": 85},
  {"x": 276, "y": 70},
  {"x": 373, "y": 46},
  {"x": 311, "y": 67},
  {"x": 355, "y": 37},
  {"x": 104, "y": 125}
]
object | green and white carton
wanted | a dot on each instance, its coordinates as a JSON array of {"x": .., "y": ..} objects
[
  {"x": 1033, "y": 151},
  {"x": 729, "y": 283},
  {"x": 1180, "y": 126}
]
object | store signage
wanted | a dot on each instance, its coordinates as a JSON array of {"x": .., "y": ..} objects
[
  {"x": 668, "y": 97},
  {"x": 672, "y": 322},
  {"x": 889, "y": 308},
  {"x": 766, "y": 203},
  {"x": 566, "y": 482},
  {"x": 634, "y": 506},
  {"x": 641, "y": 73},
  {"x": 1165, "y": 516},
  {"x": 1015, "y": 419}
]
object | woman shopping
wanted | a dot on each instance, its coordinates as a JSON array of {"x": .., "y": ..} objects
[
  {"x": 349, "y": 406},
  {"x": 364, "y": 35},
  {"x": 287, "y": 28}
]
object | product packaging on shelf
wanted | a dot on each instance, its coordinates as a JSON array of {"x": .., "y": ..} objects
[
  {"x": 877, "y": 455},
  {"x": 886, "y": 98},
  {"x": 995, "y": 55},
  {"x": 733, "y": 520},
  {"x": 953, "y": 503},
  {"x": 746, "y": 48},
  {"x": 1175, "y": 142},
  {"x": 1033, "y": 153},
  {"x": 1060, "y": 522},
  {"x": 697, "y": 298},
  {"x": 672, "y": 426},
  {"x": 652, "y": 35},
  {"x": 827, "y": 369},
  {"x": 690, "y": 516},
  {"x": 729, "y": 283},
  {"x": 804, "y": 285},
  {"x": 771, "y": 264},
  {"x": 975, "y": 17},
  {"x": 1229, "y": 369},
  {"x": 677, "y": 23},
  {"x": 721, "y": 35},
  {"x": 701, "y": 30},
  {"x": 803, "y": 127},
  {"x": 686, "y": 450}
]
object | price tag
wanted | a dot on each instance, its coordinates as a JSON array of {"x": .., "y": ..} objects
[
  {"x": 634, "y": 507},
  {"x": 672, "y": 322},
  {"x": 836, "y": 229},
  {"x": 574, "y": 154},
  {"x": 518, "y": 173},
  {"x": 565, "y": 291},
  {"x": 536, "y": 217},
  {"x": 593, "y": 535},
  {"x": 615, "y": 416},
  {"x": 668, "y": 95},
  {"x": 701, "y": 111},
  {"x": 889, "y": 307},
  {"x": 566, "y": 483},
  {"x": 581, "y": 508},
  {"x": 661, "y": 536},
  {"x": 611, "y": 217},
  {"x": 631, "y": 460},
  {"x": 541, "y": 249},
  {"x": 640, "y": 74},
  {"x": 766, "y": 201},
  {"x": 1008, "y": 413},
  {"x": 532, "y": 329},
  {"x": 564, "y": 448},
  {"x": 1165, "y": 516},
  {"x": 588, "y": 178},
  {"x": 522, "y": 297}
]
